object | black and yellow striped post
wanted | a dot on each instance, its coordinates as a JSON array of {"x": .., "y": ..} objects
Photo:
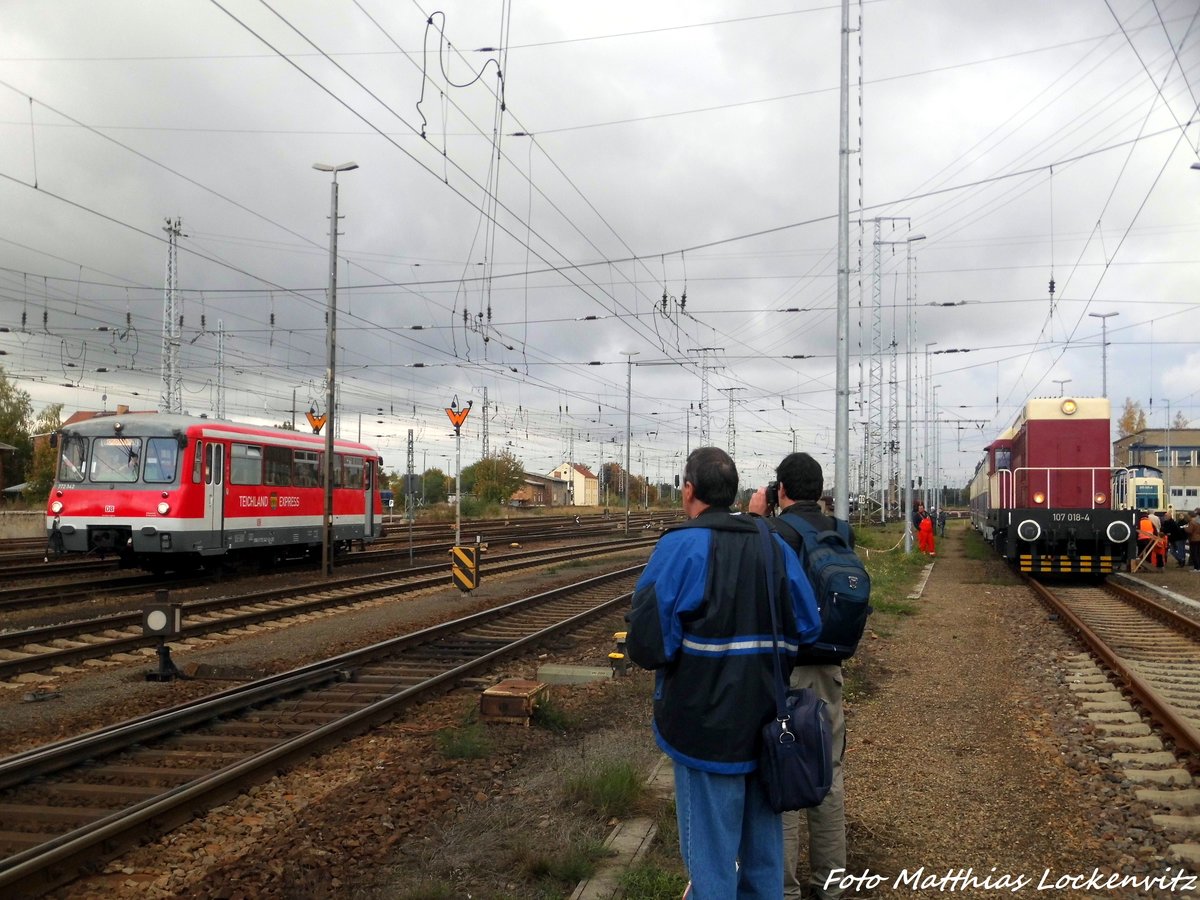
[{"x": 464, "y": 568}]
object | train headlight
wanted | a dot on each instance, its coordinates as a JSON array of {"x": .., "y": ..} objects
[
  {"x": 56, "y": 507},
  {"x": 1039, "y": 497},
  {"x": 1069, "y": 407},
  {"x": 164, "y": 508},
  {"x": 1101, "y": 498}
]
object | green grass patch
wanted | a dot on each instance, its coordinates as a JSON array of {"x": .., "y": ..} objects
[
  {"x": 563, "y": 868},
  {"x": 466, "y": 741},
  {"x": 975, "y": 547},
  {"x": 649, "y": 881},
  {"x": 547, "y": 714},
  {"x": 611, "y": 789}
]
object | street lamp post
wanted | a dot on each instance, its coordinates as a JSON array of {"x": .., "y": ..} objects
[
  {"x": 327, "y": 517},
  {"x": 1060, "y": 382},
  {"x": 1103, "y": 317}
]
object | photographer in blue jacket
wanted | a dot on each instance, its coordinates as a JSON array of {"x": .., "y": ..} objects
[{"x": 701, "y": 619}]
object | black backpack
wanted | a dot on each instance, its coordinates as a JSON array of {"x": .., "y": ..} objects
[{"x": 841, "y": 584}]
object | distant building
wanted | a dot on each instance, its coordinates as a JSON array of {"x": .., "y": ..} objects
[
  {"x": 540, "y": 490},
  {"x": 1174, "y": 450},
  {"x": 584, "y": 486}
]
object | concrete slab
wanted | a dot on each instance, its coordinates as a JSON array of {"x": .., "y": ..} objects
[{"x": 555, "y": 674}]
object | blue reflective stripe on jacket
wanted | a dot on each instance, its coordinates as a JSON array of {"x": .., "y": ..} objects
[{"x": 700, "y": 617}]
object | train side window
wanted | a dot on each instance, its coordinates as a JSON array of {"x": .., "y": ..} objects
[
  {"x": 162, "y": 460},
  {"x": 339, "y": 476},
  {"x": 352, "y": 472},
  {"x": 198, "y": 464},
  {"x": 72, "y": 462},
  {"x": 208, "y": 463},
  {"x": 305, "y": 468},
  {"x": 278, "y": 466},
  {"x": 116, "y": 460},
  {"x": 245, "y": 464}
]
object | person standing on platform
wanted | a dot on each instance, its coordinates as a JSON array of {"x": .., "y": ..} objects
[
  {"x": 800, "y": 479},
  {"x": 699, "y": 617},
  {"x": 925, "y": 533},
  {"x": 1193, "y": 536}
]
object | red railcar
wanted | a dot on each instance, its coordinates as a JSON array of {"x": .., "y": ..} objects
[
  {"x": 168, "y": 491},
  {"x": 1041, "y": 494}
]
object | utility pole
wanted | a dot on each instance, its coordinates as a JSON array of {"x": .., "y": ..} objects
[
  {"x": 172, "y": 325},
  {"x": 732, "y": 433},
  {"x": 705, "y": 432},
  {"x": 220, "y": 369},
  {"x": 841, "y": 465},
  {"x": 327, "y": 535},
  {"x": 1103, "y": 317},
  {"x": 629, "y": 355}
]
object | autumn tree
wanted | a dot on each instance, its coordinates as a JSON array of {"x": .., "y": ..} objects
[
  {"x": 434, "y": 486},
  {"x": 1133, "y": 419},
  {"x": 497, "y": 477},
  {"x": 42, "y": 470},
  {"x": 1180, "y": 421},
  {"x": 16, "y": 413}
]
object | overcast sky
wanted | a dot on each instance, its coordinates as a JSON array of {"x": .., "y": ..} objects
[{"x": 686, "y": 149}]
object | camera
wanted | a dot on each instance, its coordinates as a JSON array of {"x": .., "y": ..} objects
[{"x": 772, "y": 497}]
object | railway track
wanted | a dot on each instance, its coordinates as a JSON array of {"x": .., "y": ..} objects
[
  {"x": 71, "y": 643},
  {"x": 1154, "y": 652},
  {"x": 78, "y": 587},
  {"x": 69, "y": 806}
]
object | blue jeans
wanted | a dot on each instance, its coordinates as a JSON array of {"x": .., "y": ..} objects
[{"x": 723, "y": 818}]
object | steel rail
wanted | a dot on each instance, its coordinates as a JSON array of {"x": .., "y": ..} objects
[
  {"x": 365, "y": 587},
  {"x": 1186, "y": 736},
  {"x": 58, "y": 859}
]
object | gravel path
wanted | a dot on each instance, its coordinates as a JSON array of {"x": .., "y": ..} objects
[{"x": 968, "y": 753}]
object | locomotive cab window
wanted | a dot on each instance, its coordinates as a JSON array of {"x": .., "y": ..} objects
[
  {"x": 245, "y": 464},
  {"x": 162, "y": 460},
  {"x": 1003, "y": 458},
  {"x": 115, "y": 460},
  {"x": 72, "y": 461}
]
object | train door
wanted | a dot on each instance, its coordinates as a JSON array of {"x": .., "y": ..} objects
[
  {"x": 369, "y": 499},
  {"x": 214, "y": 491}
]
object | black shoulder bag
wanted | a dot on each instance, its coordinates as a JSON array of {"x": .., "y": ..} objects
[{"x": 796, "y": 761}]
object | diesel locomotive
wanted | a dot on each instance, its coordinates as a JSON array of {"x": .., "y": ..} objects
[{"x": 1041, "y": 495}]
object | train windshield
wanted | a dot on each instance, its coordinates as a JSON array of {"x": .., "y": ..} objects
[
  {"x": 115, "y": 459},
  {"x": 72, "y": 462},
  {"x": 1147, "y": 497},
  {"x": 162, "y": 460}
]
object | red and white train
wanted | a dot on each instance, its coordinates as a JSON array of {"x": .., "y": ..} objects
[
  {"x": 1042, "y": 493},
  {"x": 166, "y": 491}
]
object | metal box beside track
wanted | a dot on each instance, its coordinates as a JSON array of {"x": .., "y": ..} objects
[{"x": 512, "y": 700}]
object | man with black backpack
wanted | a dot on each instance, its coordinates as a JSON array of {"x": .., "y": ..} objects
[{"x": 825, "y": 546}]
